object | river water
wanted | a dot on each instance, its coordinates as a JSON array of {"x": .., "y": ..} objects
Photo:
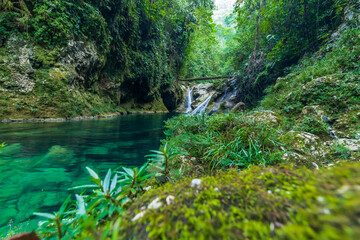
[{"x": 43, "y": 160}]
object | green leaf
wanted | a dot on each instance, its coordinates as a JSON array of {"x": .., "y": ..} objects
[
  {"x": 92, "y": 173},
  {"x": 113, "y": 183},
  {"x": 107, "y": 181},
  {"x": 45, "y": 215},
  {"x": 143, "y": 169},
  {"x": 118, "y": 190},
  {"x": 80, "y": 205},
  {"x": 64, "y": 206},
  {"x": 97, "y": 181},
  {"x": 94, "y": 177},
  {"x": 83, "y": 186},
  {"x": 129, "y": 171}
]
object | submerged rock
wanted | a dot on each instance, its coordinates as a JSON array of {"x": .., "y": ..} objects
[{"x": 59, "y": 154}]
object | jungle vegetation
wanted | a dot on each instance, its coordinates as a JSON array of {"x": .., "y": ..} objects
[{"x": 258, "y": 178}]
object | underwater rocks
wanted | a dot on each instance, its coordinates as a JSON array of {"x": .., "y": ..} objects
[{"x": 58, "y": 154}]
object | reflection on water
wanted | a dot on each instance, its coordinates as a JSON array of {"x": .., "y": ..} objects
[{"x": 43, "y": 160}]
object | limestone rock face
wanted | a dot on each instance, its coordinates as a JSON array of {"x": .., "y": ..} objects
[
  {"x": 307, "y": 149},
  {"x": 350, "y": 16},
  {"x": 306, "y": 143},
  {"x": 201, "y": 92},
  {"x": 85, "y": 61},
  {"x": 17, "y": 61},
  {"x": 81, "y": 62},
  {"x": 315, "y": 111},
  {"x": 265, "y": 116},
  {"x": 351, "y": 144}
]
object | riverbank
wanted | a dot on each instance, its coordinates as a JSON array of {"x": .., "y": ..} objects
[{"x": 111, "y": 115}]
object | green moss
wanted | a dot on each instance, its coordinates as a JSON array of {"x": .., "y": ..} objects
[
  {"x": 329, "y": 78},
  {"x": 312, "y": 125},
  {"x": 259, "y": 203},
  {"x": 45, "y": 57}
]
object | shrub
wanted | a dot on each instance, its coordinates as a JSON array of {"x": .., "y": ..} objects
[{"x": 224, "y": 140}]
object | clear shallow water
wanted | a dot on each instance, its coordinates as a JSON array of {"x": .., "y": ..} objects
[{"x": 43, "y": 160}]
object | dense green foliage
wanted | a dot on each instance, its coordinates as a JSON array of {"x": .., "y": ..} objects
[
  {"x": 267, "y": 173},
  {"x": 273, "y": 35},
  {"x": 108, "y": 201},
  {"x": 126, "y": 53},
  {"x": 223, "y": 141},
  {"x": 329, "y": 78},
  {"x": 202, "y": 57}
]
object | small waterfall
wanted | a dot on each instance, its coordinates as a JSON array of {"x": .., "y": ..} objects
[
  {"x": 188, "y": 100},
  {"x": 202, "y": 107},
  {"x": 217, "y": 103},
  {"x": 227, "y": 95}
]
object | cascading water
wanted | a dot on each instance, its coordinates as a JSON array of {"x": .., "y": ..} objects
[
  {"x": 226, "y": 97},
  {"x": 217, "y": 103},
  {"x": 188, "y": 100},
  {"x": 202, "y": 107}
]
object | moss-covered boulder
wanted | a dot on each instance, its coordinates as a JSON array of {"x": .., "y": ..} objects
[
  {"x": 315, "y": 111},
  {"x": 238, "y": 107},
  {"x": 305, "y": 148},
  {"x": 58, "y": 154},
  {"x": 347, "y": 125},
  {"x": 351, "y": 144},
  {"x": 259, "y": 203},
  {"x": 265, "y": 116}
]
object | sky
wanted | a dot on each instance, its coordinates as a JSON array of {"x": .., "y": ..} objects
[
  {"x": 223, "y": 8},
  {"x": 224, "y": 4}
]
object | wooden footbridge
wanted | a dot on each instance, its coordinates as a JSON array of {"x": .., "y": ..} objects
[{"x": 203, "y": 78}]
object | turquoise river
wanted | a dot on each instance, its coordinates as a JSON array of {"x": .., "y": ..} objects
[{"x": 43, "y": 160}]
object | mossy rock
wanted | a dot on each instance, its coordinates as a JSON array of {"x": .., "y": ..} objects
[
  {"x": 58, "y": 154},
  {"x": 348, "y": 124},
  {"x": 307, "y": 148},
  {"x": 266, "y": 116},
  {"x": 314, "y": 111},
  {"x": 238, "y": 107},
  {"x": 313, "y": 124},
  {"x": 259, "y": 203},
  {"x": 332, "y": 92},
  {"x": 44, "y": 57}
]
